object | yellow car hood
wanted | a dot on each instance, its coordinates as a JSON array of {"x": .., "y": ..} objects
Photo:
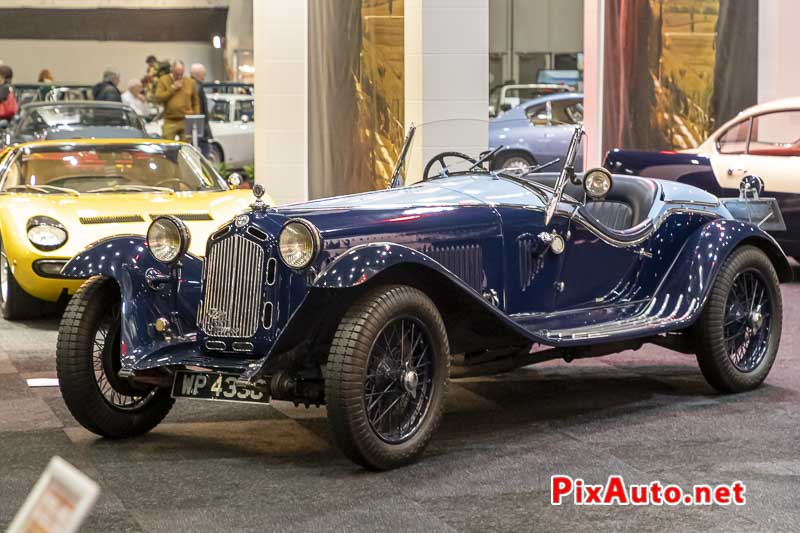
[{"x": 91, "y": 217}]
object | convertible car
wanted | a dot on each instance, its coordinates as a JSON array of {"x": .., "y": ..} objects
[
  {"x": 369, "y": 303},
  {"x": 763, "y": 140},
  {"x": 57, "y": 197}
]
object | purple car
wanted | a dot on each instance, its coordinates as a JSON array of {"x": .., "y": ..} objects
[{"x": 538, "y": 131}]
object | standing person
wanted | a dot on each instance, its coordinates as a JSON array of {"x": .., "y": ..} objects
[
  {"x": 8, "y": 103},
  {"x": 45, "y": 76},
  {"x": 107, "y": 89},
  {"x": 133, "y": 97},
  {"x": 198, "y": 73},
  {"x": 179, "y": 97}
]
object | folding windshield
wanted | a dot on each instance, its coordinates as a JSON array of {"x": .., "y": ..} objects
[
  {"x": 448, "y": 148},
  {"x": 112, "y": 168}
]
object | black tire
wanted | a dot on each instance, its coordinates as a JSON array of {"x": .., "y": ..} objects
[
  {"x": 215, "y": 154},
  {"x": 15, "y": 303},
  {"x": 356, "y": 429},
  {"x": 94, "y": 308},
  {"x": 503, "y": 159},
  {"x": 725, "y": 324}
]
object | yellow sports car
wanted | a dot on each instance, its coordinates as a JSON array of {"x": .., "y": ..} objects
[{"x": 57, "y": 197}]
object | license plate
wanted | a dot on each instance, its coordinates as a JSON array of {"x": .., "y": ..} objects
[{"x": 219, "y": 386}]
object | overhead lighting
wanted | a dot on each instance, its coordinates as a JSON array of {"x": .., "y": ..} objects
[{"x": 216, "y": 41}]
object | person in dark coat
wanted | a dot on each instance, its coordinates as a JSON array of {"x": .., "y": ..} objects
[{"x": 107, "y": 90}]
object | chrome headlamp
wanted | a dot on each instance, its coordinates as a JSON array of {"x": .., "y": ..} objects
[
  {"x": 168, "y": 239},
  {"x": 46, "y": 233},
  {"x": 597, "y": 182},
  {"x": 298, "y": 243}
]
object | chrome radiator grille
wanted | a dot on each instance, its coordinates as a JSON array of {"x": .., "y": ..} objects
[{"x": 234, "y": 273}]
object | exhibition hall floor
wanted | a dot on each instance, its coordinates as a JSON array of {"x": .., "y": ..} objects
[{"x": 646, "y": 415}]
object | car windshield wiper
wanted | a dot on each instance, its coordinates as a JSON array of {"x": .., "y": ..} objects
[
  {"x": 45, "y": 189},
  {"x": 132, "y": 188}
]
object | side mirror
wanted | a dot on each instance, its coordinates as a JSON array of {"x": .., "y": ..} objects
[
  {"x": 235, "y": 180},
  {"x": 505, "y": 107},
  {"x": 751, "y": 187},
  {"x": 3, "y": 124}
]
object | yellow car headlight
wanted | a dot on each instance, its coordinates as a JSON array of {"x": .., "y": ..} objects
[
  {"x": 46, "y": 233},
  {"x": 298, "y": 243},
  {"x": 168, "y": 239}
]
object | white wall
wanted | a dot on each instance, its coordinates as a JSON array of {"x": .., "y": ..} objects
[
  {"x": 778, "y": 67},
  {"x": 280, "y": 44},
  {"x": 85, "y": 61}
]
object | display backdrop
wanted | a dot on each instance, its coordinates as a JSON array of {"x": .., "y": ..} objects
[
  {"x": 355, "y": 94},
  {"x": 674, "y": 70}
]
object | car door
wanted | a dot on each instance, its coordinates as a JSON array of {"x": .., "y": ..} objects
[
  {"x": 596, "y": 271},
  {"x": 771, "y": 151}
]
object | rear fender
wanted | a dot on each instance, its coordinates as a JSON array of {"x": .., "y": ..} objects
[
  {"x": 685, "y": 289},
  {"x": 149, "y": 290}
]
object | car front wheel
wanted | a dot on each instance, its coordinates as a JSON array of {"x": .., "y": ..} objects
[
  {"x": 740, "y": 328},
  {"x": 15, "y": 303},
  {"x": 387, "y": 377},
  {"x": 88, "y": 361}
]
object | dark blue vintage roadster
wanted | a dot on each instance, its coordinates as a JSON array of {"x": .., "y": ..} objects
[{"x": 369, "y": 303}]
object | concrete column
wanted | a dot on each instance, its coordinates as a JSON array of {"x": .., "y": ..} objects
[
  {"x": 280, "y": 42},
  {"x": 447, "y": 73},
  {"x": 593, "y": 39},
  {"x": 778, "y": 75}
]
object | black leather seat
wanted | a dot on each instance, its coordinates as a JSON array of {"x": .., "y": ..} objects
[{"x": 626, "y": 206}]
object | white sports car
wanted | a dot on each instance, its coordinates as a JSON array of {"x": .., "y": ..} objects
[{"x": 230, "y": 118}]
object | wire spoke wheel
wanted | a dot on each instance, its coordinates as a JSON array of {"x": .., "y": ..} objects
[
  {"x": 399, "y": 379},
  {"x": 106, "y": 363},
  {"x": 748, "y": 319}
]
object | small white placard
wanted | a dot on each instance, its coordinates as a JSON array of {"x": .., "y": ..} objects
[
  {"x": 59, "y": 501},
  {"x": 42, "y": 382}
]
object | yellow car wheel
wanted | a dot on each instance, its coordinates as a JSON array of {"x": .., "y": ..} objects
[{"x": 15, "y": 303}]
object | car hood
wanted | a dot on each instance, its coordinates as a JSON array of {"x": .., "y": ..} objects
[{"x": 91, "y": 217}]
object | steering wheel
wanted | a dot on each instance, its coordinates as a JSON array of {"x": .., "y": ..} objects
[
  {"x": 169, "y": 182},
  {"x": 440, "y": 159}
]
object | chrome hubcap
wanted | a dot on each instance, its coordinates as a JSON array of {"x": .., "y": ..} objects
[{"x": 3, "y": 277}]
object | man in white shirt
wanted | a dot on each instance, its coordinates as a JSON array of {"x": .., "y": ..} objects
[{"x": 135, "y": 98}]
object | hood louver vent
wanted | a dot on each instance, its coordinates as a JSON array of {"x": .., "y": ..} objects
[
  {"x": 188, "y": 217},
  {"x": 111, "y": 219}
]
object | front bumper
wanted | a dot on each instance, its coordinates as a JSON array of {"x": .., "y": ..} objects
[{"x": 41, "y": 278}]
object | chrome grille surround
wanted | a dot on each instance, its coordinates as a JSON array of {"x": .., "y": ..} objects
[{"x": 233, "y": 278}]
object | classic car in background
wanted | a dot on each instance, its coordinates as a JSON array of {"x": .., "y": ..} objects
[
  {"x": 228, "y": 87},
  {"x": 74, "y": 120},
  {"x": 568, "y": 77},
  {"x": 537, "y": 131},
  {"x": 504, "y": 98},
  {"x": 41, "y": 92},
  {"x": 370, "y": 302},
  {"x": 230, "y": 119},
  {"x": 57, "y": 197},
  {"x": 763, "y": 140}
]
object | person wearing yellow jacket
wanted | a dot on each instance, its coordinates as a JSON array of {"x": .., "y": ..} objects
[{"x": 179, "y": 97}]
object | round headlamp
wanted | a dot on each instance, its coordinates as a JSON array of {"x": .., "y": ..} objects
[
  {"x": 597, "y": 182},
  {"x": 298, "y": 243},
  {"x": 168, "y": 238},
  {"x": 46, "y": 233}
]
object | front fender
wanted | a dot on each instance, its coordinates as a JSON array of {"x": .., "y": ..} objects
[{"x": 127, "y": 260}]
